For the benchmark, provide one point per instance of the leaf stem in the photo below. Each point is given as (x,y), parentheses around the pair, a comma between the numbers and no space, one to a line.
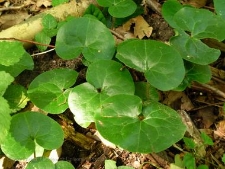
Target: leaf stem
(28,41)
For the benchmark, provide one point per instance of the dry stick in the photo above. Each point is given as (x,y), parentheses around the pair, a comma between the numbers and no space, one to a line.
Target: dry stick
(28,41)
(217,91)
(29,28)
(155,6)
(13,8)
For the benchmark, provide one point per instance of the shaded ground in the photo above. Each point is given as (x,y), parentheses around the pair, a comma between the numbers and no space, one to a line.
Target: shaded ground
(202,103)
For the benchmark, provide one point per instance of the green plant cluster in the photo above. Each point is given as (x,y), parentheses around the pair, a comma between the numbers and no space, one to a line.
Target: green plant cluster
(127,113)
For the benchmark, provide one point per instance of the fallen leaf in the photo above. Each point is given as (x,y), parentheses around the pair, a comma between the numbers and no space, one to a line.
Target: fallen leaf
(207,116)
(141,28)
(45,3)
(220,129)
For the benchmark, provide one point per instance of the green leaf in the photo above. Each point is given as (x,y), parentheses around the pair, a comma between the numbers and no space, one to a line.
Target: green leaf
(84,102)
(110,164)
(219,6)
(63,165)
(26,129)
(189,143)
(119,8)
(110,78)
(152,127)
(42,38)
(223,158)
(16,95)
(49,22)
(45,163)
(193,20)
(189,161)
(6,80)
(11,52)
(25,62)
(169,9)
(105,78)
(202,167)
(58,2)
(162,65)
(5,119)
(40,162)
(206,139)
(146,92)
(87,36)
(95,11)
(193,50)
(199,73)
(48,90)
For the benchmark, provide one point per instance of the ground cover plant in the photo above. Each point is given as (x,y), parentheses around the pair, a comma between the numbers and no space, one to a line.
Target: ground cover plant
(126,112)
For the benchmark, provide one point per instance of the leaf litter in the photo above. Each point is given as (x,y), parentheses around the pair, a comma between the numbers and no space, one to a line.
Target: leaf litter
(202,105)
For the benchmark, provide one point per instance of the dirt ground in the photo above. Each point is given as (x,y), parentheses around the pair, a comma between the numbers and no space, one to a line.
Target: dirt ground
(201,105)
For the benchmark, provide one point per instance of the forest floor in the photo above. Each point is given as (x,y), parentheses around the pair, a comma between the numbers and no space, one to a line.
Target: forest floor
(201,105)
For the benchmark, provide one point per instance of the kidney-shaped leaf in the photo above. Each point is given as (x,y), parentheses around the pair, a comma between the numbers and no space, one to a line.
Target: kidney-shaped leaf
(87,36)
(145,129)
(26,129)
(110,77)
(119,8)
(48,90)
(162,65)
(105,78)
(193,20)
(193,49)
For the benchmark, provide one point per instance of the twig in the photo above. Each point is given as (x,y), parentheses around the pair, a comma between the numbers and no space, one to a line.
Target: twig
(117,34)
(216,91)
(41,53)
(12,8)
(155,6)
(28,41)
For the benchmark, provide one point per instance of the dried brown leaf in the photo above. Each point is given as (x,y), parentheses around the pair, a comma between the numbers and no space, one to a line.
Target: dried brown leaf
(141,28)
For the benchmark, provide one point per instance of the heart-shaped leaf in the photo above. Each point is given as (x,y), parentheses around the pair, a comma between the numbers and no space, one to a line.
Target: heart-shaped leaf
(48,90)
(193,20)
(87,36)
(105,78)
(119,8)
(11,52)
(6,118)
(162,65)
(193,49)
(45,163)
(26,129)
(152,127)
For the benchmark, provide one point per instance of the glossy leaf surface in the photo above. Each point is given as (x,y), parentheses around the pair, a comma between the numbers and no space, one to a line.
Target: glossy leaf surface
(26,129)
(119,8)
(162,65)
(104,78)
(49,91)
(85,36)
(124,121)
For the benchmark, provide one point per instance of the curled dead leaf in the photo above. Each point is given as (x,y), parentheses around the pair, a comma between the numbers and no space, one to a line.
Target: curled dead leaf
(141,28)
